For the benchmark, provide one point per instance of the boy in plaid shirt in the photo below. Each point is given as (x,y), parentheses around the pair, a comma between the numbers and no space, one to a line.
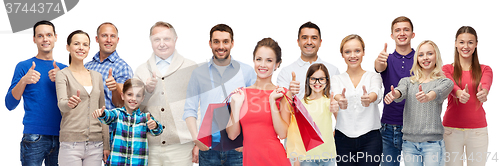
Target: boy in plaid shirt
(130,144)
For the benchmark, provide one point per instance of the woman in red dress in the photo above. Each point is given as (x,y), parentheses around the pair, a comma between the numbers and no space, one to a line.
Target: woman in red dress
(260,111)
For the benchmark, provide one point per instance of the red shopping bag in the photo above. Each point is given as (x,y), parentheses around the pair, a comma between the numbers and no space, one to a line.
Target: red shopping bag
(309,131)
(215,120)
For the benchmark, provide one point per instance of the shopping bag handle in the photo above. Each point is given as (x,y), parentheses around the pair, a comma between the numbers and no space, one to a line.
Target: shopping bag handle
(229,96)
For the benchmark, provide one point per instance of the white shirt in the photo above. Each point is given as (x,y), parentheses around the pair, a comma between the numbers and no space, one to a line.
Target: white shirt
(300,68)
(88,89)
(357,120)
(163,65)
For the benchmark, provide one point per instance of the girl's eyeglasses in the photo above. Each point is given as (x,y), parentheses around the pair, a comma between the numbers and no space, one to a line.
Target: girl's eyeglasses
(321,80)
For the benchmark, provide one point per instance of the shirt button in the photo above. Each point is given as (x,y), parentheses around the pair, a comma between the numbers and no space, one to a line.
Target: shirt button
(162,78)
(163,142)
(402,67)
(162,109)
(162,93)
(163,127)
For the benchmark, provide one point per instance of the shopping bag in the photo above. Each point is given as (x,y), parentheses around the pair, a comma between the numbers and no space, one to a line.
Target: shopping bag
(309,131)
(215,121)
(294,144)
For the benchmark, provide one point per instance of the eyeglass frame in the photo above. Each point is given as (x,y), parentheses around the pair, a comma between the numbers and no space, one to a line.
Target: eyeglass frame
(317,80)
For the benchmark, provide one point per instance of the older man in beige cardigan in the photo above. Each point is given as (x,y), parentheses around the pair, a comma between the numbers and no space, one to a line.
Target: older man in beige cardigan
(166,75)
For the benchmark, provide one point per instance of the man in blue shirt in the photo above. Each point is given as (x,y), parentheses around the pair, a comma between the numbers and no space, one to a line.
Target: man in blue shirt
(34,81)
(212,82)
(114,70)
(392,68)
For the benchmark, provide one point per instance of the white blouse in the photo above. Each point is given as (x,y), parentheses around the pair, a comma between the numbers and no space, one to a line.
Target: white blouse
(357,120)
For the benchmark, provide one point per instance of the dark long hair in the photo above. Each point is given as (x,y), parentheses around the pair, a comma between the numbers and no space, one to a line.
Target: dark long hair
(70,37)
(475,67)
(312,69)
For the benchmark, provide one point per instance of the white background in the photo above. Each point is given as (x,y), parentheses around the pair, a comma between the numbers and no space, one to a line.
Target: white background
(252,21)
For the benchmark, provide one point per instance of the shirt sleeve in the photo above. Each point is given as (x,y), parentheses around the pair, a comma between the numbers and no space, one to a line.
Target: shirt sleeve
(61,91)
(158,130)
(192,98)
(403,86)
(123,73)
(376,87)
(284,78)
(109,117)
(487,77)
(11,102)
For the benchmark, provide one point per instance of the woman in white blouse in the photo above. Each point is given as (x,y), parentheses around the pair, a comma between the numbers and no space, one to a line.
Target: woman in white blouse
(358,92)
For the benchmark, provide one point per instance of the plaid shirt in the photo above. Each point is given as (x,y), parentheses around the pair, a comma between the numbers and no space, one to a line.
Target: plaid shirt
(130,144)
(121,72)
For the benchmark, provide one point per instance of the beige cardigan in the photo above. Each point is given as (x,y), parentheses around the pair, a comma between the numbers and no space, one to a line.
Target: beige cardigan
(166,103)
(78,125)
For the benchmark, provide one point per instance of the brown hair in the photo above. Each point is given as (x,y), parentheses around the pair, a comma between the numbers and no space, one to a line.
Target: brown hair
(70,37)
(269,42)
(162,24)
(312,69)
(475,66)
(401,19)
(222,28)
(133,82)
(351,37)
(106,23)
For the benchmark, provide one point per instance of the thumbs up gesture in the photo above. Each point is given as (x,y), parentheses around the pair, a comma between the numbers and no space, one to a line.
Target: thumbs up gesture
(294,85)
(74,100)
(151,123)
(342,100)
(464,96)
(32,76)
(382,57)
(52,73)
(99,112)
(365,99)
(151,83)
(110,81)
(334,105)
(421,96)
(482,94)
(389,97)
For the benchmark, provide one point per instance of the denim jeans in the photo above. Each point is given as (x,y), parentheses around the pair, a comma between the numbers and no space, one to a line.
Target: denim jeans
(36,148)
(212,158)
(320,162)
(392,139)
(430,153)
(365,150)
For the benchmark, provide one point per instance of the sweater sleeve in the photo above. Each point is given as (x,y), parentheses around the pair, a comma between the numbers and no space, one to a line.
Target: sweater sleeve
(403,86)
(11,102)
(105,128)
(62,93)
(448,72)
(487,77)
(443,88)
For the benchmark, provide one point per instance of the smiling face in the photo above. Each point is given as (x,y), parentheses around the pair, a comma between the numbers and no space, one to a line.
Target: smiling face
(427,57)
(221,44)
(107,38)
(133,98)
(309,42)
(79,47)
(317,81)
(353,53)
(466,44)
(402,33)
(163,41)
(265,62)
(44,38)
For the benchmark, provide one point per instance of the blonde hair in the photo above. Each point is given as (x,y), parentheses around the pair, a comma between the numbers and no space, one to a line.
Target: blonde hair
(163,24)
(416,70)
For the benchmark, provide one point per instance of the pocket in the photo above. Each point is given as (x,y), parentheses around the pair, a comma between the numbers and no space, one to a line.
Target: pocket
(31,138)
(447,131)
(98,144)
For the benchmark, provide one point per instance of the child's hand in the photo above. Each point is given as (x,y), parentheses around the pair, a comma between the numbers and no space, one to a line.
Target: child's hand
(151,123)
(74,100)
(98,112)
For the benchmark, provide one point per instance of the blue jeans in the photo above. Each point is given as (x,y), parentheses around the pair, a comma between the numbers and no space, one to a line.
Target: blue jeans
(320,162)
(430,153)
(212,158)
(392,139)
(365,150)
(36,148)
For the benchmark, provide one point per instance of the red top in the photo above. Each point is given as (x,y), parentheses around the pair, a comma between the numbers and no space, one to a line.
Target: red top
(470,114)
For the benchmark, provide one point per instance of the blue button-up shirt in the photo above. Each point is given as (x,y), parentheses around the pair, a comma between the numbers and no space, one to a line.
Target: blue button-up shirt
(207,86)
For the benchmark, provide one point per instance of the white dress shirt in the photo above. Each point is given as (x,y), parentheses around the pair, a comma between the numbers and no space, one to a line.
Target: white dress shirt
(357,120)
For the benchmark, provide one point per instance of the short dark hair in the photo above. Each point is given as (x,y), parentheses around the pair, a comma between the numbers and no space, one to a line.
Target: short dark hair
(222,28)
(43,22)
(70,36)
(401,19)
(108,23)
(309,24)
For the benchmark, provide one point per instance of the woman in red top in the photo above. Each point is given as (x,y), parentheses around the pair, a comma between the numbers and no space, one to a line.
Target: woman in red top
(261,111)
(465,120)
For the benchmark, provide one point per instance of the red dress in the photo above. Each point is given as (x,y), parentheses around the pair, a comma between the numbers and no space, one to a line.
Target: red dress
(260,141)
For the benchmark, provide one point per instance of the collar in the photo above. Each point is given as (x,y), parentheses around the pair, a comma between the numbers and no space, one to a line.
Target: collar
(168,60)
(136,112)
(301,63)
(112,58)
(212,63)
(408,56)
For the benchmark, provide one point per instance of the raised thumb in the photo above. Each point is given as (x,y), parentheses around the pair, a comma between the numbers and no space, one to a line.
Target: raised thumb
(343,93)
(110,73)
(293,76)
(33,66)
(77,93)
(466,89)
(55,65)
(420,88)
(364,90)
(149,116)
(480,87)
